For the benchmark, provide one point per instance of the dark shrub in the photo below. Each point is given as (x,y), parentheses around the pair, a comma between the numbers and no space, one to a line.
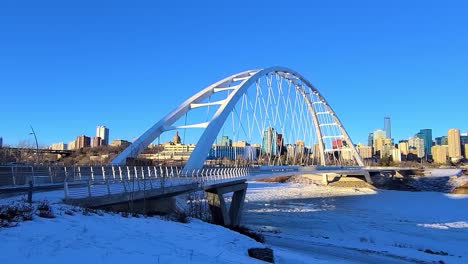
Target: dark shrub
(45,210)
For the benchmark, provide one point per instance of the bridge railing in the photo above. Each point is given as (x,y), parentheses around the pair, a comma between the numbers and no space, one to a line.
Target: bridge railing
(93,181)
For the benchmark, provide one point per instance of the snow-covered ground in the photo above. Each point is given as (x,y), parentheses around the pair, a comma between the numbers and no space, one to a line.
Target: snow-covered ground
(112,238)
(305,224)
(302,223)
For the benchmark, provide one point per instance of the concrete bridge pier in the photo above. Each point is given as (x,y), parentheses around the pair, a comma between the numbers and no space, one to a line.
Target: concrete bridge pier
(219,211)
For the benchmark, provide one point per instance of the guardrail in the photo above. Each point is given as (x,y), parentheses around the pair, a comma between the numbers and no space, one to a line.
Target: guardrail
(92,181)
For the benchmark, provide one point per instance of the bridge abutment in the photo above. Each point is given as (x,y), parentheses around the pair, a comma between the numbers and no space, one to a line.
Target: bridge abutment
(219,211)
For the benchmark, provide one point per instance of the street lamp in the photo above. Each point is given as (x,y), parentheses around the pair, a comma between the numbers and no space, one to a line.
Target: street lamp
(37,145)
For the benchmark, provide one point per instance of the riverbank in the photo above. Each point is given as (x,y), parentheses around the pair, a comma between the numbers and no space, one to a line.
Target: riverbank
(326,224)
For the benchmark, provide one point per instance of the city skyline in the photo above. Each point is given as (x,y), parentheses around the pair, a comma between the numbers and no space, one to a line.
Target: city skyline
(385,58)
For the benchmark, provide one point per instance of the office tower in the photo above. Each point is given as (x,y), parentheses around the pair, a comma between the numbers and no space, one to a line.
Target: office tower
(417,144)
(454,147)
(463,142)
(387,127)
(403,147)
(376,135)
(225,141)
(103,133)
(370,139)
(269,141)
(1,142)
(440,154)
(426,135)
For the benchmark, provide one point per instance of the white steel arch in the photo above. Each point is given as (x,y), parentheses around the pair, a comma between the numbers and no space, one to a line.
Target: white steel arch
(237,85)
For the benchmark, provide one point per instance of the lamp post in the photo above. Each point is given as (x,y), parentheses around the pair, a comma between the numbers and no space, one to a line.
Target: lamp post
(37,145)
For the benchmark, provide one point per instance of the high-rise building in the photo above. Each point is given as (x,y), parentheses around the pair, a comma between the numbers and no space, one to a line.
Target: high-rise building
(82,142)
(376,135)
(454,147)
(441,140)
(396,154)
(403,147)
(269,141)
(224,141)
(1,142)
(103,133)
(426,135)
(370,139)
(96,142)
(417,144)
(466,151)
(440,154)
(463,141)
(387,127)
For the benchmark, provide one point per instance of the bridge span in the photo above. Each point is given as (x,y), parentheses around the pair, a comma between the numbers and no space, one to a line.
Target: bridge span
(108,186)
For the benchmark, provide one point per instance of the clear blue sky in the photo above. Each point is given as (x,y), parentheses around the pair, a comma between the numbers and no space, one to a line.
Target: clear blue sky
(68,66)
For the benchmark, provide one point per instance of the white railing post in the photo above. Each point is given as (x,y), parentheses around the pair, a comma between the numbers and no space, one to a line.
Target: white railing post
(92,173)
(113,172)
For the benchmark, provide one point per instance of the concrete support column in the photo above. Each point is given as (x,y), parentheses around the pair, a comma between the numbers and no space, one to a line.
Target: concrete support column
(220,213)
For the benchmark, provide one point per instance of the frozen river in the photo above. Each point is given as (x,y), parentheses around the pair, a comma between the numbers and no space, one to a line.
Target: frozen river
(324,224)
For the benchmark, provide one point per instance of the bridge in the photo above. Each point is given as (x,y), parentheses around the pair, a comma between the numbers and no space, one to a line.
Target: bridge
(273,118)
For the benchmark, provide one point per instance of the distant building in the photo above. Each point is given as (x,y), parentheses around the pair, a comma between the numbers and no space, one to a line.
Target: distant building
(240,144)
(396,154)
(441,140)
(416,146)
(337,143)
(370,139)
(176,138)
(269,141)
(426,135)
(103,133)
(454,146)
(120,143)
(463,141)
(381,144)
(364,151)
(403,147)
(82,142)
(440,154)
(96,142)
(59,146)
(387,127)
(232,153)
(72,145)
(376,143)
(1,142)
(224,141)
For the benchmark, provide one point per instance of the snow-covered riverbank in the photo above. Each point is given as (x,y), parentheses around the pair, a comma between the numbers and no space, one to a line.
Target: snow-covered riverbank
(346,225)
(302,223)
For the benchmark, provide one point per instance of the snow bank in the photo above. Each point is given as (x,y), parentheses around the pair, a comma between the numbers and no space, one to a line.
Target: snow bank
(111,238)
